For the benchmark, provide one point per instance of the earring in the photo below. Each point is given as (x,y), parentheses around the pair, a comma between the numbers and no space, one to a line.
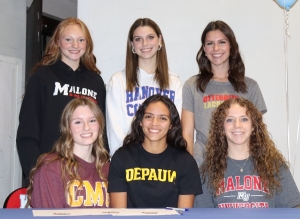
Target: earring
(159,47)
(133,51)
(205,54)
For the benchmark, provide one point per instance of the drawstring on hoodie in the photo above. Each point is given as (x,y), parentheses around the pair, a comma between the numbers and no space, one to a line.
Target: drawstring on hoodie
(77,73)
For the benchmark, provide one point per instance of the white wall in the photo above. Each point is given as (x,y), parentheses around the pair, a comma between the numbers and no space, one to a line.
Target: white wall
(259,28)
(12,58)
(11,90)
(13,29)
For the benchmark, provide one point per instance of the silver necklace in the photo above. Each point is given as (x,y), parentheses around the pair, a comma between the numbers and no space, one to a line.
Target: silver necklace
(241,170)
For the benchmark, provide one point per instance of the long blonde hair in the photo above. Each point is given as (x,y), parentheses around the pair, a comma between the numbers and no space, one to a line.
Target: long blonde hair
(63,148)
(52,52)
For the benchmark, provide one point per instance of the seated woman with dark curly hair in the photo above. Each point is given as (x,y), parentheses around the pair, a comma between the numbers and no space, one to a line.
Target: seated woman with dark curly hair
(153,168)
(242,167)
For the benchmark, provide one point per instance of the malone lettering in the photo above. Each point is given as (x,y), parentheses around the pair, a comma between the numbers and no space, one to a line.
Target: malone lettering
(250,182)
(68,90)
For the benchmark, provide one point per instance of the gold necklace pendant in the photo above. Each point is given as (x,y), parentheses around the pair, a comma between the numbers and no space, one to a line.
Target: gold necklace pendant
(241,170)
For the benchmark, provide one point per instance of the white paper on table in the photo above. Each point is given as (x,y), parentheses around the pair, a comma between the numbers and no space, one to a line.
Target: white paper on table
(104,211)
(69,212)
(146,212)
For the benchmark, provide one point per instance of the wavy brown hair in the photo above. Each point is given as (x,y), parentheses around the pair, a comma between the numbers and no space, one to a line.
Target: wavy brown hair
(236,70)
(52,51)
(63,148)
(267,160)
(162,69)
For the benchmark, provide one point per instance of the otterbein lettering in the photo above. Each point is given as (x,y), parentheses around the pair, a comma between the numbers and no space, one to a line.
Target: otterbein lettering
(214,100)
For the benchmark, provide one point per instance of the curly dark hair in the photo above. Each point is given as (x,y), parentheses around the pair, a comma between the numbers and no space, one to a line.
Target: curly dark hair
(174,135)
(236,65)
(267,160)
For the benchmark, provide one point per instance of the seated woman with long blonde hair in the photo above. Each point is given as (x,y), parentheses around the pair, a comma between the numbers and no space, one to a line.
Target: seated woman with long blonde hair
(74,173)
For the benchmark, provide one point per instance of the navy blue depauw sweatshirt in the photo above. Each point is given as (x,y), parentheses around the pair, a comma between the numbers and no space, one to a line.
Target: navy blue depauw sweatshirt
(48,91)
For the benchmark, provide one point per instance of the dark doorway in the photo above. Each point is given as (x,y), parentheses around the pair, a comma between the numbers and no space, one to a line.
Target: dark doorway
(33,36)
(49,24)
(39,30)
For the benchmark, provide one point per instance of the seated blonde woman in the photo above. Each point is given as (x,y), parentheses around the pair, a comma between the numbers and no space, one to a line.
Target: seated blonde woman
(74,173)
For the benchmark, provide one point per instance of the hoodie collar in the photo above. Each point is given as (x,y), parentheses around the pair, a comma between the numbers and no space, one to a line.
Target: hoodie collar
(63,66)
